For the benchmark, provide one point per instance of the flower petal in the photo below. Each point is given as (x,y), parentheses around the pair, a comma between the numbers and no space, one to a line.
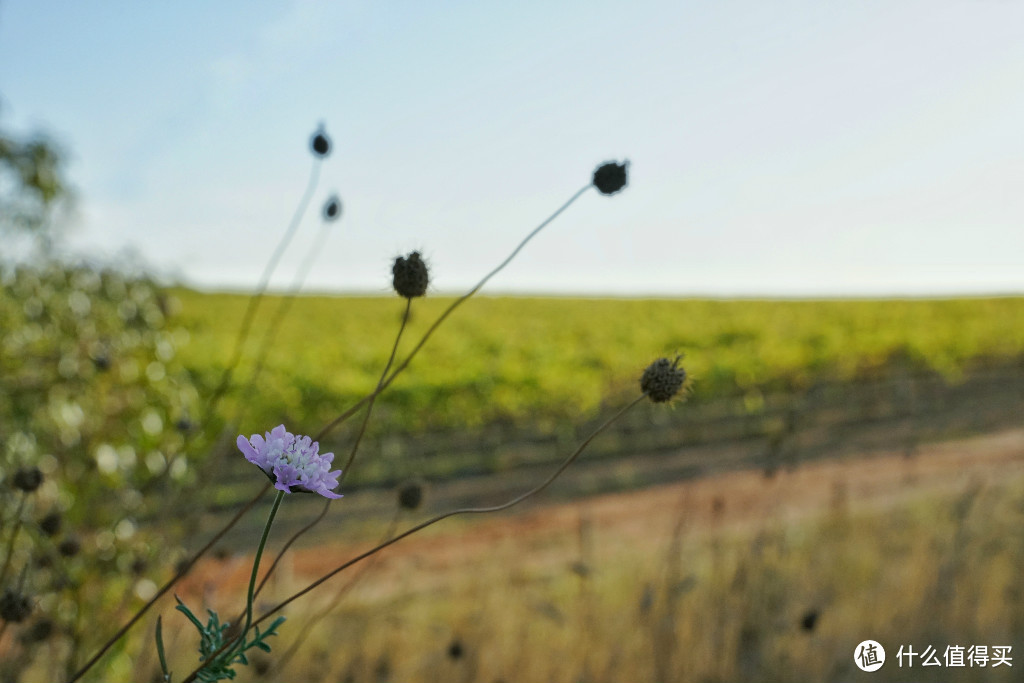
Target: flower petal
(247,450)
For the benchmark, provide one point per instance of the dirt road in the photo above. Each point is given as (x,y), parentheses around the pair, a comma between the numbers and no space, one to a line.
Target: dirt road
(551,532)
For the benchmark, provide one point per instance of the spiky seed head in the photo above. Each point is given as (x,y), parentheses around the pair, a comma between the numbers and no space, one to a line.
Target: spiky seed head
(332,208)
(14,606)
(610,177)
(410,495)
(320,143)
(410,276)
(663,379)
(27,479)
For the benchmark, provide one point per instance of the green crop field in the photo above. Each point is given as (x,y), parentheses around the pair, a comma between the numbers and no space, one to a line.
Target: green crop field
(548,359)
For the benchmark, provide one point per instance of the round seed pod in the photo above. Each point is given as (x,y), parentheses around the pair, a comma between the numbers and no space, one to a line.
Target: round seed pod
(662,379)
(410,495)
(69,547)
(409,276)
(27,479)
(610,177)
(139,566)
(38,632)
(332,208)
(809,620)
(320,143)
(51,524)
(14,607)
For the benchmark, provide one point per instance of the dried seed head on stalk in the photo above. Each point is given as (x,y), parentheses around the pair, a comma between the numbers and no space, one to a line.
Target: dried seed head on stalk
(27,479)
(409,275)
(14,606)
(610,177)
(455,650)
(320,143)
(663,379)
(38,632)
(51,524)
(332,208)
(69,547)
(410,495)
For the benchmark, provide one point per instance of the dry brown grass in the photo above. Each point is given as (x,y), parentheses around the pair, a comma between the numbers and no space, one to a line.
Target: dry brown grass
(707,580)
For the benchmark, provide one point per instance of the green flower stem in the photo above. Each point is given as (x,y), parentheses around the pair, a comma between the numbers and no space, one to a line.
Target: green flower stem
(256,568)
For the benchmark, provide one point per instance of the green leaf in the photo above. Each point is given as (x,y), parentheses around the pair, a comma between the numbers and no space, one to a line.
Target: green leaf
(160,650)
(183,608)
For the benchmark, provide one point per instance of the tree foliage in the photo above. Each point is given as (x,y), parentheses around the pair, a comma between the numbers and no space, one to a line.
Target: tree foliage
(33,187)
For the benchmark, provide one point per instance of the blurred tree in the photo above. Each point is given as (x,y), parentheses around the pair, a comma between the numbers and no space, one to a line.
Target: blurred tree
(33,188)
(93,403)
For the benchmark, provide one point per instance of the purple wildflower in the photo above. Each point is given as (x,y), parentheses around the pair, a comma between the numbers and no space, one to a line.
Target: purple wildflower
(291,462)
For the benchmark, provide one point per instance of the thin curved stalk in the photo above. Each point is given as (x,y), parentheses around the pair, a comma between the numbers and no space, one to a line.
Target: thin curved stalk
(261,288)
(288,544)
(166,587)
(281,661)
(373,399)
(249,315)
(448,311)
(434,520)
(348,464)
(284,306)
(256,568)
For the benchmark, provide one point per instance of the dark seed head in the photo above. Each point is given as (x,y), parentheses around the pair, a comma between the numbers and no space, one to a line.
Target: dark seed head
(139,566)
(69,547)
(183,424)
(38,632)
(809,621)
(101,362)
(14,607)
(455,649)
(410,496)
(27,479)
(50,524)
(410,277)
(332,209)
(663,379)
(610,177)
(260,665)
(320,143)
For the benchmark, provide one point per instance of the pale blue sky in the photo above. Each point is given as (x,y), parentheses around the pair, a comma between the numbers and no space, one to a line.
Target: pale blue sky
(781,147)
